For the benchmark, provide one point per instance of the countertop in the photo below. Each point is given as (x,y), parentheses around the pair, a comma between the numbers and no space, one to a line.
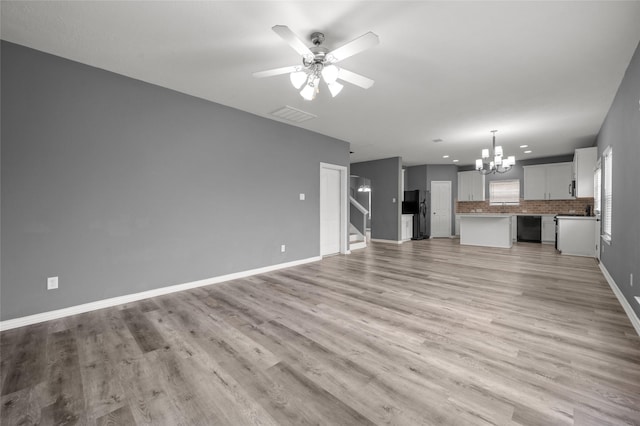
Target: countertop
(485,215)
(576,217)
(480,214)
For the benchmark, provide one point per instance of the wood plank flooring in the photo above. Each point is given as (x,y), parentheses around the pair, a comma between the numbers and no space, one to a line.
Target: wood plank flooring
(425,333)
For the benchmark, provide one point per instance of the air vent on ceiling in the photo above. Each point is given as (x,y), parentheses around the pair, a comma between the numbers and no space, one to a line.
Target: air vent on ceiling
(292,114)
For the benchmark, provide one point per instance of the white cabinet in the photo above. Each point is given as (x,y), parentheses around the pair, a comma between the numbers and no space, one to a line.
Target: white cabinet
(535,183)
(548,181)
(559,181)
(407,227)
(576,235)
(584,162)
(470,186)
(548,233)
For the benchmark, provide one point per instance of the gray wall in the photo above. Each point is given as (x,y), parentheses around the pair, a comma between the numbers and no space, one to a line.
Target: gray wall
(517,172)
(621,131)
(416,178)
(118,186)
(385,185)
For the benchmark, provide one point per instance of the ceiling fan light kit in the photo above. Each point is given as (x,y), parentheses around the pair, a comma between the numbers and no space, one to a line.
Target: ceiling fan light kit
(319,64)
(494,162)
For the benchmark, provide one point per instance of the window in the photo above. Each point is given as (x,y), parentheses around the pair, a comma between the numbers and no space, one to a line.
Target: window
(607,196)
(504,192)
(597,182)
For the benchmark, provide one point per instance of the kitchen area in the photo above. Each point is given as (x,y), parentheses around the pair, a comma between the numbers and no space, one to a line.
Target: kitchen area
(551,203)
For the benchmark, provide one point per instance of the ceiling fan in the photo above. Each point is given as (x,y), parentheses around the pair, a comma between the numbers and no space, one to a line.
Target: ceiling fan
(319,63)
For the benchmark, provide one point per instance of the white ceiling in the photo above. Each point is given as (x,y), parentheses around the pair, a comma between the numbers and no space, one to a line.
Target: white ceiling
(542,73)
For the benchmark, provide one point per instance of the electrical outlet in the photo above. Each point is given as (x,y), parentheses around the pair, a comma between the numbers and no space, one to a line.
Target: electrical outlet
(283,248)
(52,283)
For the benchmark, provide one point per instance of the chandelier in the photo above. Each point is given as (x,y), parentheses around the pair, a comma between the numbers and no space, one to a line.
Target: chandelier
(493,162)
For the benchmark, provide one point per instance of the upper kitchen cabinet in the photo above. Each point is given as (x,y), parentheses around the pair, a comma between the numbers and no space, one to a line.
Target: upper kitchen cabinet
(548,182)
(584,162)
(470,186)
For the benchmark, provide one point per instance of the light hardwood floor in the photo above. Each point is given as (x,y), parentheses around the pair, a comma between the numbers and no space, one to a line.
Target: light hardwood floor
(428,332)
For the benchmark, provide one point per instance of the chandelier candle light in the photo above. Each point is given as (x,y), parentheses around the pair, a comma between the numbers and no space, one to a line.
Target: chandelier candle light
(493,162)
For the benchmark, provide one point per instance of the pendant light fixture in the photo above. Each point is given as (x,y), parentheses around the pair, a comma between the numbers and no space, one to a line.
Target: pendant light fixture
(493,161)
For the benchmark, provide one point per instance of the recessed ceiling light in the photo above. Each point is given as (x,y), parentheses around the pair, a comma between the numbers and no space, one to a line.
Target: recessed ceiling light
(455,161)
(524,146)
(437,140)
(528,151)
(445,156)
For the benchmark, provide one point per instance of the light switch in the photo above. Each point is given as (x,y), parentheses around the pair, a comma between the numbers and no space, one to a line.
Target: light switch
(393,200)
(301,197)
(52,283)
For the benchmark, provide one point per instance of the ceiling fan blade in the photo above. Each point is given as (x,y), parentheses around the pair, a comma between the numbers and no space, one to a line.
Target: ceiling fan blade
(293,40)
(355,46)
(276,71)
(353,78)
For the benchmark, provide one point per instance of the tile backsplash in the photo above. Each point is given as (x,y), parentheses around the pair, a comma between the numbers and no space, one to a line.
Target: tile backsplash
(577,206)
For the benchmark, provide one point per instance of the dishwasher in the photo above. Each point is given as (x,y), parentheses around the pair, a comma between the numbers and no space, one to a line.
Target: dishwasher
(530,229)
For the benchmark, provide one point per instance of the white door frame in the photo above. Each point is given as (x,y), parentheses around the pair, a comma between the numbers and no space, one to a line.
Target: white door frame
(344,248)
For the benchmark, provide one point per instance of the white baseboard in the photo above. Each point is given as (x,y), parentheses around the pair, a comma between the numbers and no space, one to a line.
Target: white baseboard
(357,245)
(114,301)
(635,321)
(375,240)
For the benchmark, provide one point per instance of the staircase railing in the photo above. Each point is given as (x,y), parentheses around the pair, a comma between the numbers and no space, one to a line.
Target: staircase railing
(358,216)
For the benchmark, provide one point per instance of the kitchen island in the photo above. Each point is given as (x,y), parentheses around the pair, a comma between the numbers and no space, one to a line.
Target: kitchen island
(489,230)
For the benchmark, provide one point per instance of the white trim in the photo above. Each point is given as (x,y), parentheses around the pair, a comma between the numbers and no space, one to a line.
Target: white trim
(114,301)
(357,245)
(344,190)
(635,321)
(386,241)
(357,205)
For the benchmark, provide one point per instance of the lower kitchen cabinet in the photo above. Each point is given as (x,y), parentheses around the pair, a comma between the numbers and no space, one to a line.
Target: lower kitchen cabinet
(576,235)
(548,234)
(407,227)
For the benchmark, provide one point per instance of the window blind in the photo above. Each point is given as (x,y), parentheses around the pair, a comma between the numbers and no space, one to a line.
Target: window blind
(597,182)
(504,192)
(608,193)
